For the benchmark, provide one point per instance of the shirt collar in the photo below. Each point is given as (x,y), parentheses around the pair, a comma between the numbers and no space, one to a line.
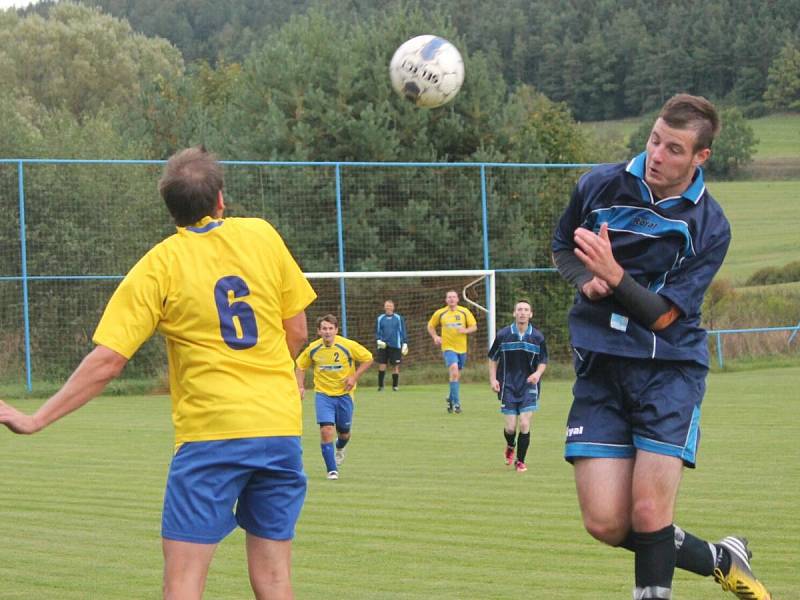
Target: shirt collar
(205,224)
(515,330)
(693,193)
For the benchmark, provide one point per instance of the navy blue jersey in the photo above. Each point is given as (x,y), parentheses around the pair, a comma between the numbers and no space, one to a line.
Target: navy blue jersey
(673,246)
(517,356)
(391,329)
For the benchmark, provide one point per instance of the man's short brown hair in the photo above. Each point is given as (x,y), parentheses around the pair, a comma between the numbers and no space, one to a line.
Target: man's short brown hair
(328,319)
(191,184)
(684,111)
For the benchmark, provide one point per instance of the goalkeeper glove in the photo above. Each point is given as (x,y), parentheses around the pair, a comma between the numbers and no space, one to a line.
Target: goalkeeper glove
(404,349)
(381,344)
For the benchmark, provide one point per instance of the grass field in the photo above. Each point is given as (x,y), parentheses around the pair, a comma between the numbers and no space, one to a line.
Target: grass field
(425,507)
(763,216)
(778,135)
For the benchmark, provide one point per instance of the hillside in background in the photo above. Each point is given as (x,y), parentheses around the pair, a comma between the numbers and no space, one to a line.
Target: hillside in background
(603,58)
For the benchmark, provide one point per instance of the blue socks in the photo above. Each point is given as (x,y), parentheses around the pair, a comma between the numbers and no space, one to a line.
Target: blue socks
(340,443)
(454,393)
(328,457)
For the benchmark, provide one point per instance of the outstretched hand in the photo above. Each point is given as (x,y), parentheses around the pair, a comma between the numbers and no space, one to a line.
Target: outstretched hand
(17,421)
(594,251)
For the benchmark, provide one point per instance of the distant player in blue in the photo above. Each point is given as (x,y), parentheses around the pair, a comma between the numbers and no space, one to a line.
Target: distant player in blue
(641,242)
(390,338)
(517,360)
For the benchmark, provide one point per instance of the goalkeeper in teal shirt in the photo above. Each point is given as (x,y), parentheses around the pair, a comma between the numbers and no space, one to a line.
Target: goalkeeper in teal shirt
(390,338)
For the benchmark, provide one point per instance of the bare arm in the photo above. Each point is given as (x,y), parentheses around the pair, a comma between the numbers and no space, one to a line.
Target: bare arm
(99,367)
(436,339)
(351,381)
(493,383)
(296,328)
(300,375)
(471,329)
(537,374)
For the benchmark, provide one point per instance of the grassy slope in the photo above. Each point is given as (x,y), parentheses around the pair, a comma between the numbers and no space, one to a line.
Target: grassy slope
(425,508)
(763,216)
(778,135)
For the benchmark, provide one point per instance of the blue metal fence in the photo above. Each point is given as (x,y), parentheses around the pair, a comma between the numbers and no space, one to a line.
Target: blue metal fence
(484,257)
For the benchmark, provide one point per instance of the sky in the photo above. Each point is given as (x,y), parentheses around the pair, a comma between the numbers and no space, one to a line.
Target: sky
(18,3)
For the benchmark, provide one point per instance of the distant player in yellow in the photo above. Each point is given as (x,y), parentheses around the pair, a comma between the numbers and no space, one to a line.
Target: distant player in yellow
(455,323)
(230,301)
(338,364)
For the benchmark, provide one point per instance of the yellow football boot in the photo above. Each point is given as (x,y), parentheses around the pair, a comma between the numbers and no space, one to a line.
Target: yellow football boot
(740,579)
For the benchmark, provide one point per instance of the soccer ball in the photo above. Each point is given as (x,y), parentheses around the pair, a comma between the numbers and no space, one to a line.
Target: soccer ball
(427,70)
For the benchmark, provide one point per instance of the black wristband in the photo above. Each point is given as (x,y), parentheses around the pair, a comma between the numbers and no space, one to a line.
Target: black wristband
(571,268)
(645,306)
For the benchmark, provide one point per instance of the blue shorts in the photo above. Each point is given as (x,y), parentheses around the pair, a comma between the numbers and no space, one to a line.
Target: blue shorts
(511,404)
(262,477)
(455,358)
(336,410)
(624,404)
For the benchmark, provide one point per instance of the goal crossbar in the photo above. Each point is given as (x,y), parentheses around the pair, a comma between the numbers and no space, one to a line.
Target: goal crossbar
(478,274)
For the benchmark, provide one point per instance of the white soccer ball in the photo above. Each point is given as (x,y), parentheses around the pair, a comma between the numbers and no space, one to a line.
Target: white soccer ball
(427,70)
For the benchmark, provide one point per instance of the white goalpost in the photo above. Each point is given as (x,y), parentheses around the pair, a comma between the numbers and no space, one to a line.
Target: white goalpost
(359,295)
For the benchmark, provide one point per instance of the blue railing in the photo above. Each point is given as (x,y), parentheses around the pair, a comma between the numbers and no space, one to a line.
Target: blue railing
(720,332)
(24,277)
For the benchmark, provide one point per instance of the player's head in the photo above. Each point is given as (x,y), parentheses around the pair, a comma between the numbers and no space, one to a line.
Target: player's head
(679,142)
(327,328)
(522,312)
(191,186)
(451,298)
(388,307)
(684,111)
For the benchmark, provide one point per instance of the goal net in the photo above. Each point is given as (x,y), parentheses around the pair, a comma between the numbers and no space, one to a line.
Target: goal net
(357,300)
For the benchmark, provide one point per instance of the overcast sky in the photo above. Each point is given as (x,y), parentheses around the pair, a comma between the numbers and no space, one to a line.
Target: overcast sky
(18,3)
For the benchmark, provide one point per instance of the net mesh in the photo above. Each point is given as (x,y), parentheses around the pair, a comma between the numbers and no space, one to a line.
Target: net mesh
(86,224)
(415,298)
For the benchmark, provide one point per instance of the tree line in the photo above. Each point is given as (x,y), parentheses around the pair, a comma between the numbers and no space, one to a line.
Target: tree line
(605,59)
(308,82)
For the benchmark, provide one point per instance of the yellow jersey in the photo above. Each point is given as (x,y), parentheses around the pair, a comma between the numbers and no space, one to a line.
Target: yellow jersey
(218,291)
(333,364)
(450,321)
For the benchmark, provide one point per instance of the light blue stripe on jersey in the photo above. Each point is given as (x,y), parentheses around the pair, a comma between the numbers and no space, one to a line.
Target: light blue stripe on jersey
(526,346)
(641,221)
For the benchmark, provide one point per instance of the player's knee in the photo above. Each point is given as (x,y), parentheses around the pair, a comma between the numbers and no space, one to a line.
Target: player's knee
(327,432)
(650,515)
(608,531)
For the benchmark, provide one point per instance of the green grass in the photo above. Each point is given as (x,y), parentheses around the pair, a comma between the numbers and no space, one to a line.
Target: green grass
(778,136)
(425,508)
(763,216)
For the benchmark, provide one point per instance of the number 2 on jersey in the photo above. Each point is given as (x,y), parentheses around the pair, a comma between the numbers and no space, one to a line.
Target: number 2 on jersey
(226,291)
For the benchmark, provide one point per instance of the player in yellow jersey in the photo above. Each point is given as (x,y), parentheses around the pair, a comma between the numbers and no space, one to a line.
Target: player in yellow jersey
(230,301)
(338,364)
(455,322)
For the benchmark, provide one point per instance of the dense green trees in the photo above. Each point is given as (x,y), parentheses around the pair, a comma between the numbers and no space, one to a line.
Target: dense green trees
(783,82)
(604,58)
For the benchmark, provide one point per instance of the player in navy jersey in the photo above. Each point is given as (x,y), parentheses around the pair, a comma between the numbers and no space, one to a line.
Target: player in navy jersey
(390,338)
(641,242)
(518,358)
